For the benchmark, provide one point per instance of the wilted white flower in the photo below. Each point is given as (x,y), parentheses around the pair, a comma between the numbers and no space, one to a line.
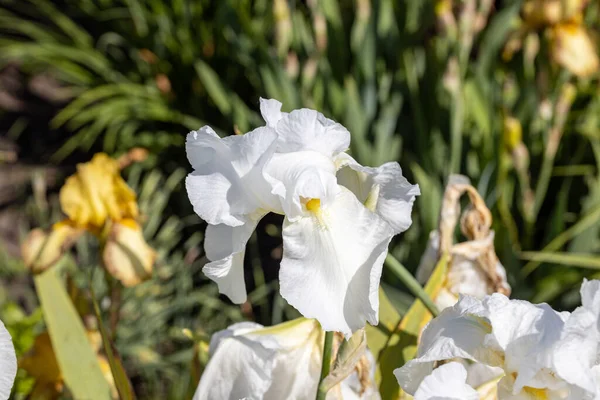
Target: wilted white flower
(473,267)
(8,362)
(279,362)
(540,353)
(339,216)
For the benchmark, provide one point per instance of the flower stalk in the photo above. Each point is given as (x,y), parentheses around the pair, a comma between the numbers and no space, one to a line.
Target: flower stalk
(326,366)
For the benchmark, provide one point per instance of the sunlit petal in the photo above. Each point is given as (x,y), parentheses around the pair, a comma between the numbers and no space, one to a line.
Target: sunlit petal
(383,189)
(274,363)
(332,261)
(301,175)
(227,182)
(306,129)
(447,382)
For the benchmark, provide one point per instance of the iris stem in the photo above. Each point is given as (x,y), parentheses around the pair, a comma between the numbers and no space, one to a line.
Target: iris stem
(327,347)
(411,283)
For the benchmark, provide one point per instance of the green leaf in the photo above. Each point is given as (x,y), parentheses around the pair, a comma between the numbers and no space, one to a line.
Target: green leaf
(401,346)
(74,353)
(116,367)
(214,87)
(574,260)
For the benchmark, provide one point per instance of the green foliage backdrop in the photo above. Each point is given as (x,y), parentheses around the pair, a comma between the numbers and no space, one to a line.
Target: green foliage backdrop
(410,87)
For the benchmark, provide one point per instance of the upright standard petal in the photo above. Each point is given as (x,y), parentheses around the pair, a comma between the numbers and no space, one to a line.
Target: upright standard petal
(227,183)
(332,261)
(383,190)
(8,362)
(447,382)
(270,110)
(300,176)
(306,129)
(225,247)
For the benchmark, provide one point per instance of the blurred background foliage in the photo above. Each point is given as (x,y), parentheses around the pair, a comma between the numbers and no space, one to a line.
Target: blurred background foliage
(495,90)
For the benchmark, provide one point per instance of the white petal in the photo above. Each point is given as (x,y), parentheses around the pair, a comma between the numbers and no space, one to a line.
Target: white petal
(460,331)
(8,362)
(332,264)
(228,274)
(227,181)
(384,188)
(270,110)
(306,129)
(576,352)
(301,175)
(237,369)
(526,332)
(590,296)
(226,247)
(272,363)
(447,382)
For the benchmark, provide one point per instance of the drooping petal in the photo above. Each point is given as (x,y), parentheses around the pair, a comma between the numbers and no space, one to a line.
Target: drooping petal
(40,250)
(273,363)
(447,382)
(127,256)
(299,176)
(306,129)
(332,263)
(383,189)
(225,246)
(8,362)
(227,182)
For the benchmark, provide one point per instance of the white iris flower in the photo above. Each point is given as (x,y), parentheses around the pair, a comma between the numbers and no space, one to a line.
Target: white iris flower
(339,215)
(8,362)
(278,362)
(540,353)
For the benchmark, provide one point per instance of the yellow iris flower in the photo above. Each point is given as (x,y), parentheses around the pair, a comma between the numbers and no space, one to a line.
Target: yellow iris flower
(570,44)
(96,199)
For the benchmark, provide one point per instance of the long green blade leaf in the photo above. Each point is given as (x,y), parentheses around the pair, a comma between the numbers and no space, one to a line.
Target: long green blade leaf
(74,353)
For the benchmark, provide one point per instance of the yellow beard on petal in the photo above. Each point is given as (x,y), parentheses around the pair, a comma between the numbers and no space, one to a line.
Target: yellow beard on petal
(535,393)
(314,205)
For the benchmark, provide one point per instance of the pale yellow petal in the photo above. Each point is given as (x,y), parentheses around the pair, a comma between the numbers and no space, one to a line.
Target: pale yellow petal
(40,362)
(548,12)
(573,49)
(127,256)
(41,249)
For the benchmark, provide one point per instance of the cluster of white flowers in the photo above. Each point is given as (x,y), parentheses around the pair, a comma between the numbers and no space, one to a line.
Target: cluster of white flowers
(534,351)
(339,215)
